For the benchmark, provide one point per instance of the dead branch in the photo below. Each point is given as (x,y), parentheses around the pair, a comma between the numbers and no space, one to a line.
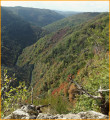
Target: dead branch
(41,106)
(32,95)
(83,90)
(103,90)
(104,104)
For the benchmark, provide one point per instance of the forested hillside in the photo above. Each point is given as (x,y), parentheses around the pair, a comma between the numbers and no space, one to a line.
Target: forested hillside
(81,52)
(38,17)
(16,35)
(70,21)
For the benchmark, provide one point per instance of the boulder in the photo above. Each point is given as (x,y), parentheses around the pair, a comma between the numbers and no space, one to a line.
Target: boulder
(92,115)
(25,112)
(81,115)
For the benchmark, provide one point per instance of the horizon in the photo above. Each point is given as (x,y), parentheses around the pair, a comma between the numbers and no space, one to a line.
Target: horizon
(51,9)
(71,6)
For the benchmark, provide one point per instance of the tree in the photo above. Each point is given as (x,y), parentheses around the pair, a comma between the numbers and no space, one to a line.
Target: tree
(11,97)
(104,104)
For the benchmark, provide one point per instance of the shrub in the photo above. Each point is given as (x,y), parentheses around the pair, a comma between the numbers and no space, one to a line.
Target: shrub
(11,97)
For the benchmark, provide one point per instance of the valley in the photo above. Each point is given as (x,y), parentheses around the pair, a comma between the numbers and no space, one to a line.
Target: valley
(44,49)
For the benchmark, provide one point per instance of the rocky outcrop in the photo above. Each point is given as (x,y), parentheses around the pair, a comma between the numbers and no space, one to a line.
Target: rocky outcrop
(32,112)
(81,115)
(26,112)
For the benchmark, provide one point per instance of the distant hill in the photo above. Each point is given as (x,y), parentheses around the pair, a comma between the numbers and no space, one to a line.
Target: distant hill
(38,17)
(67,13)
(71,21)
(15,35)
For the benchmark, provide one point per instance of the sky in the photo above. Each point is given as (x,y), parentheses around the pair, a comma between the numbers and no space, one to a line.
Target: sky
(80,6)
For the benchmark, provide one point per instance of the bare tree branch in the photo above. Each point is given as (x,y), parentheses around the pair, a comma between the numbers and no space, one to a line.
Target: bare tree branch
(84,91)
(103,90)
(32,95)
(41,106)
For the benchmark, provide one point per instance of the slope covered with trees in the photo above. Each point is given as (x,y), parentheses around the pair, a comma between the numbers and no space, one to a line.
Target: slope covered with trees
(70,21)
(81,52)
(16,34)
(38,17)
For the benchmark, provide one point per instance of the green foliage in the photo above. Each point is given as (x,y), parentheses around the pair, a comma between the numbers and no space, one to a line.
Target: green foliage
(86,104)
(11,97)
(59,104)
(91,78)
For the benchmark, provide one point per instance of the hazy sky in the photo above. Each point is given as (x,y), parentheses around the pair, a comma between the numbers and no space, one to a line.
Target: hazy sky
(84,6)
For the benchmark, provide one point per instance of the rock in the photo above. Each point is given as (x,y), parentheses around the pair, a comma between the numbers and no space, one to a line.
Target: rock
(26,112)
(81,115)
(31,109)
(92,115)
(45,116)
(72,116)
(32,112)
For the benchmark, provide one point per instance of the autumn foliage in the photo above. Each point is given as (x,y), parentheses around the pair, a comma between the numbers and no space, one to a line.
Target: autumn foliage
(78,72)
(72,89)
(66,89)
(72,92)
(70,76)
(63,87)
